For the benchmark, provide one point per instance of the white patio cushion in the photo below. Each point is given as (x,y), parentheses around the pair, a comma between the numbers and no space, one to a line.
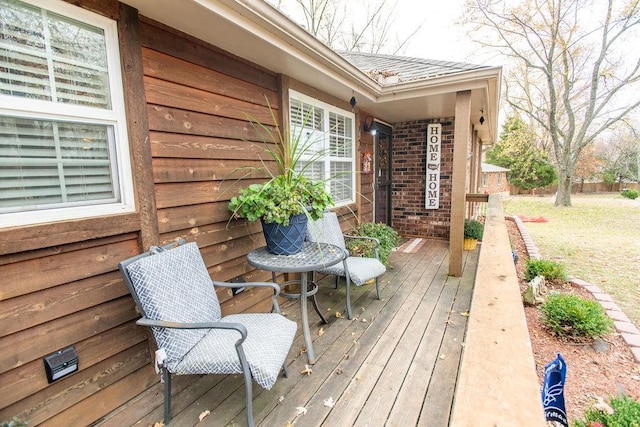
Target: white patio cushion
(269,337)
(361,270)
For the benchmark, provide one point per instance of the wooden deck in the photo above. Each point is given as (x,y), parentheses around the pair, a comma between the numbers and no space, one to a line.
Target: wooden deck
(396,365)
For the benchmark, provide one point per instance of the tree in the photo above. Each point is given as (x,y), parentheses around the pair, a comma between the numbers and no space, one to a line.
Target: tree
(572,60)
(517,150)
(620,154)
(349,25)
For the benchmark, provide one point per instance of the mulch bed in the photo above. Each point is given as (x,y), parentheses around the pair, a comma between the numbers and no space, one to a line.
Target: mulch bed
(590,375)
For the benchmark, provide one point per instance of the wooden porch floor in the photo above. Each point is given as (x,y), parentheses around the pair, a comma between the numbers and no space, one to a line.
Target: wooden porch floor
(396,365)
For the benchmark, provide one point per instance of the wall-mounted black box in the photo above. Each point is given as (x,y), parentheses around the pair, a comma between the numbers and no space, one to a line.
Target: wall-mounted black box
(61,363)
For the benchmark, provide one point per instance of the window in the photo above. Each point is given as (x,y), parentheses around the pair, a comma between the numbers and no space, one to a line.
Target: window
(331,153)
(63,141)
(499,178)
(484,179)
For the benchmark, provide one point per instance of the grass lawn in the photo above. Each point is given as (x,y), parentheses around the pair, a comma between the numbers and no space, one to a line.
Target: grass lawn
(597,239)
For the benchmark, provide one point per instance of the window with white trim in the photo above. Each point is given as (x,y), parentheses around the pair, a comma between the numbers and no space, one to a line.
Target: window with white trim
(331,156)
(63,141)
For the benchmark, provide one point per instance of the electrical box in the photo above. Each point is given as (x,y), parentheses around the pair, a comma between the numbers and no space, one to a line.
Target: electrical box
(237,289)
(61,363)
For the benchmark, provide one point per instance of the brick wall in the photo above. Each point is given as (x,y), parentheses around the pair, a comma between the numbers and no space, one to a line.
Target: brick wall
(496,182)
(410,218)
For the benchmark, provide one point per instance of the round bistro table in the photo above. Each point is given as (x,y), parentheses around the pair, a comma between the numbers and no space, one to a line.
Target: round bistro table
(314,256)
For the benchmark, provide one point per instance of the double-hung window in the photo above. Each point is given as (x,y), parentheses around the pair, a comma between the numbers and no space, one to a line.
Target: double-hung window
(331,155)
(63,142)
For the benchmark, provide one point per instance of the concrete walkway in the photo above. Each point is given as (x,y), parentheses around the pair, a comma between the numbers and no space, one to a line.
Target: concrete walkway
(627,330)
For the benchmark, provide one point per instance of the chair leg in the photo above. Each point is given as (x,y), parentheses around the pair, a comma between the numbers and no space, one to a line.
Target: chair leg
(337,281)
(248,387)
(349,314)
(166,378)
(378,287)
(285,371)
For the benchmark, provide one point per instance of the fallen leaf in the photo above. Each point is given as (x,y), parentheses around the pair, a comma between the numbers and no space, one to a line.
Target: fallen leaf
(329,309)
(303,350)
(363,320)
(346,357)
(338,314)
(320,332)
(358,377)
(603,406)
(203,415)
(329,403)
(442,356)
(289,424)
(307,370)
(465,314)
(281,399)
(339,371)
(301,410)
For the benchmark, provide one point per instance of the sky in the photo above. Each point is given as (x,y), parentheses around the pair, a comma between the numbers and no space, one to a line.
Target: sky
(440,37)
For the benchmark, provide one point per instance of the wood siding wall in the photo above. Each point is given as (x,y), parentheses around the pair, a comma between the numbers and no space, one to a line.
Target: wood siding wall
(187,104)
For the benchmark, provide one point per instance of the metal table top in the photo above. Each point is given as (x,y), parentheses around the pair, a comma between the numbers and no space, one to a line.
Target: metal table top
(313,256)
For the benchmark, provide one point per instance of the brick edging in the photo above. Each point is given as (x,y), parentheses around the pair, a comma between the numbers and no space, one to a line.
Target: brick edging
(627,330)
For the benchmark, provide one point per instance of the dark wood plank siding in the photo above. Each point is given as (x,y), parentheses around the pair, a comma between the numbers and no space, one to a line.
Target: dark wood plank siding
(187,106)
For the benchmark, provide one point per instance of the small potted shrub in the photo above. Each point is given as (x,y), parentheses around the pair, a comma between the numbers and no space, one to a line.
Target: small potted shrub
(286,201)
(473,231)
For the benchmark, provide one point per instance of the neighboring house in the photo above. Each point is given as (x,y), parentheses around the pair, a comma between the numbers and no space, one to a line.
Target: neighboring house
(121,123)
(494,180)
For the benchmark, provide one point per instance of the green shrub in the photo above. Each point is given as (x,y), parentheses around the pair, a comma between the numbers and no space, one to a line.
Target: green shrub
(15,422)
(387,236)
(574,316)
(473,229)
(630,194)
(626,413)
(550,270)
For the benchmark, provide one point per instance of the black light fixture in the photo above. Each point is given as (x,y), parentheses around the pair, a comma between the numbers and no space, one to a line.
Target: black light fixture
(481,116)
(370,125)
(352,102)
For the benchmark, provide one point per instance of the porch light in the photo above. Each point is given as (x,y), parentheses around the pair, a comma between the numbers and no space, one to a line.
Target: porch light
(370,125)
(481,116)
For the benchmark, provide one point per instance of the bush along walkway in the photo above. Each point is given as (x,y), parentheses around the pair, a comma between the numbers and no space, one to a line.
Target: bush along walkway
(627,330)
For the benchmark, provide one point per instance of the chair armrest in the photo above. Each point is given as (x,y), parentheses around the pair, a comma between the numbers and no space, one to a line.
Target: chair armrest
(201,325)
(274,286)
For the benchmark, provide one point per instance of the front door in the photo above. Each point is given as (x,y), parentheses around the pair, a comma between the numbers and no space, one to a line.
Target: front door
(382,183)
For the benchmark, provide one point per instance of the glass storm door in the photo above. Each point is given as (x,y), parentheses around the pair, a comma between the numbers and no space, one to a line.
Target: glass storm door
(382,183)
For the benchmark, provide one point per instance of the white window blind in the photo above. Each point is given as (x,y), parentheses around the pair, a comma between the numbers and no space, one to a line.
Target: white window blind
(332,130)
(62,127)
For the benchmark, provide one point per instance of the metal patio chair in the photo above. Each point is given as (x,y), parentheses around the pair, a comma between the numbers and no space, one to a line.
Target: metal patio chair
(357,270)
(176,297)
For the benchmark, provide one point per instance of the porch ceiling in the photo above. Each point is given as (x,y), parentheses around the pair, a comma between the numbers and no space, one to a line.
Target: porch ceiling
(255,31)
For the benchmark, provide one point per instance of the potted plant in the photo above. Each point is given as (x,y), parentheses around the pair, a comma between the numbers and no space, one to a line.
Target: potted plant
(288,199)
(473,231)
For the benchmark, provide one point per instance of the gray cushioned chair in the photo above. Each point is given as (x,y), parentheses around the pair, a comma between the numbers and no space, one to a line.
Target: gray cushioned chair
(176,297)
(357,270)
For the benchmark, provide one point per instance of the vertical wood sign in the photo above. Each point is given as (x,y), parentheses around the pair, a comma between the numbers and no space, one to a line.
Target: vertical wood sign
(432,196)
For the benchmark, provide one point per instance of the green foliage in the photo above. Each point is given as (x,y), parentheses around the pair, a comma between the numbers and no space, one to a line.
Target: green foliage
(387,236)
(15,422)
(528,165)
(574,316)
(630,194)
(473,229)
(550,270)
(626,413)
(288,192)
